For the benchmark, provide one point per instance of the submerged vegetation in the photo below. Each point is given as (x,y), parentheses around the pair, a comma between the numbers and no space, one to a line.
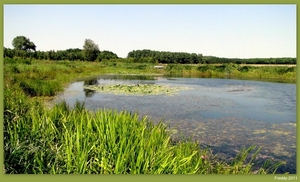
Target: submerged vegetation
(74,140)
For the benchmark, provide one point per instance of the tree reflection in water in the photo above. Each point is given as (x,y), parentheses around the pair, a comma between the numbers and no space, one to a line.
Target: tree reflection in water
(88,92)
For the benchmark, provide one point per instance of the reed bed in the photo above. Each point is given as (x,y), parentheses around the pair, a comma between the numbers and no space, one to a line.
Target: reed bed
(283,73)
(77,141)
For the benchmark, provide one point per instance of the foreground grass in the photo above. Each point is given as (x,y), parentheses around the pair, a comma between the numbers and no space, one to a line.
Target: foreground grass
(64,140)
(76,141)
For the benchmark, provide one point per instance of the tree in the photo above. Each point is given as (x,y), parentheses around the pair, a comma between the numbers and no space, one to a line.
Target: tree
(106,55)
(90,50)
(7,52)
(22,43)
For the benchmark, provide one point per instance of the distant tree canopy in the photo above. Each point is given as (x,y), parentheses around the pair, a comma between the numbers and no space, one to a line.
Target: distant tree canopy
(106,55)
(90,50)
(164,57)
(193,58)
(23,43)
(74,54)
(69,54)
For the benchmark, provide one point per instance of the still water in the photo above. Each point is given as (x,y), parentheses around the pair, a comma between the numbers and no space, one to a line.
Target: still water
(223,114)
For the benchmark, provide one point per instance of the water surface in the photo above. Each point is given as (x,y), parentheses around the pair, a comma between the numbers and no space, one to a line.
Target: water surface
(224,114)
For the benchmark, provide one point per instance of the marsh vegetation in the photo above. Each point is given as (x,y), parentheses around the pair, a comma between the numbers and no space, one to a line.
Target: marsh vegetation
(64,139)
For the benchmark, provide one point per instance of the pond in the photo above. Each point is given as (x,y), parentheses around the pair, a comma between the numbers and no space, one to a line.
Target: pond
(223,114)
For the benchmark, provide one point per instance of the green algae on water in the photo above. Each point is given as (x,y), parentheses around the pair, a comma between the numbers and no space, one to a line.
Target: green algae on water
(136,89)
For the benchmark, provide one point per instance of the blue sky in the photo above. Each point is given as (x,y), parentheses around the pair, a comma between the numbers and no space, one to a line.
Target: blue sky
(232,31)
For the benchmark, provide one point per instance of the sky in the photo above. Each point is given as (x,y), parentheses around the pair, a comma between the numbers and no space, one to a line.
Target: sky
(231,31)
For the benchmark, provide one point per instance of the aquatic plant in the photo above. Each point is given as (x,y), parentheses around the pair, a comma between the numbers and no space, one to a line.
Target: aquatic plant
(137,89)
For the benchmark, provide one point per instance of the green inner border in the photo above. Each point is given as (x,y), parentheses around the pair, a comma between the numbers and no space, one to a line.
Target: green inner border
(117,178)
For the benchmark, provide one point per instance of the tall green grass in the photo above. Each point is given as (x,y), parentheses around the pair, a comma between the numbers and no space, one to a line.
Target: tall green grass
(77,141)
(46,78)
(65,140)
(282,73)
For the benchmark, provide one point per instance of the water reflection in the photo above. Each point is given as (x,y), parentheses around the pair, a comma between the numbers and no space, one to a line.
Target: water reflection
(88,92)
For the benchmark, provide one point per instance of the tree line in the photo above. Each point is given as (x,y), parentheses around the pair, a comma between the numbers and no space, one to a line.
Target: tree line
(24,48)
(165,57)
(193,58)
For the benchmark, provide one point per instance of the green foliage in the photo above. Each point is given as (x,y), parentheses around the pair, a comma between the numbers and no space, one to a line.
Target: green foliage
(90,50)
(75,141)
(107,55)
(23,43)
(282,73)
(150,56)
(69,54)
(40,87)
(8,53)
(245,68)
(15,61)
(204,68)
(65,140)
(217,60)
(193,58)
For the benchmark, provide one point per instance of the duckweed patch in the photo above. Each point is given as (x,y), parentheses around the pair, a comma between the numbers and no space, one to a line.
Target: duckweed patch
(137,89)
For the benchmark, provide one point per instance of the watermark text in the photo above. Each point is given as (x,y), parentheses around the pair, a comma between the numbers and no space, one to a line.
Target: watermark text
(285,178)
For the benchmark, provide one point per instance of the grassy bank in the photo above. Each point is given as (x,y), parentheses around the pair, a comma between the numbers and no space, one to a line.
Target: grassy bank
(280,73)
(64,140)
